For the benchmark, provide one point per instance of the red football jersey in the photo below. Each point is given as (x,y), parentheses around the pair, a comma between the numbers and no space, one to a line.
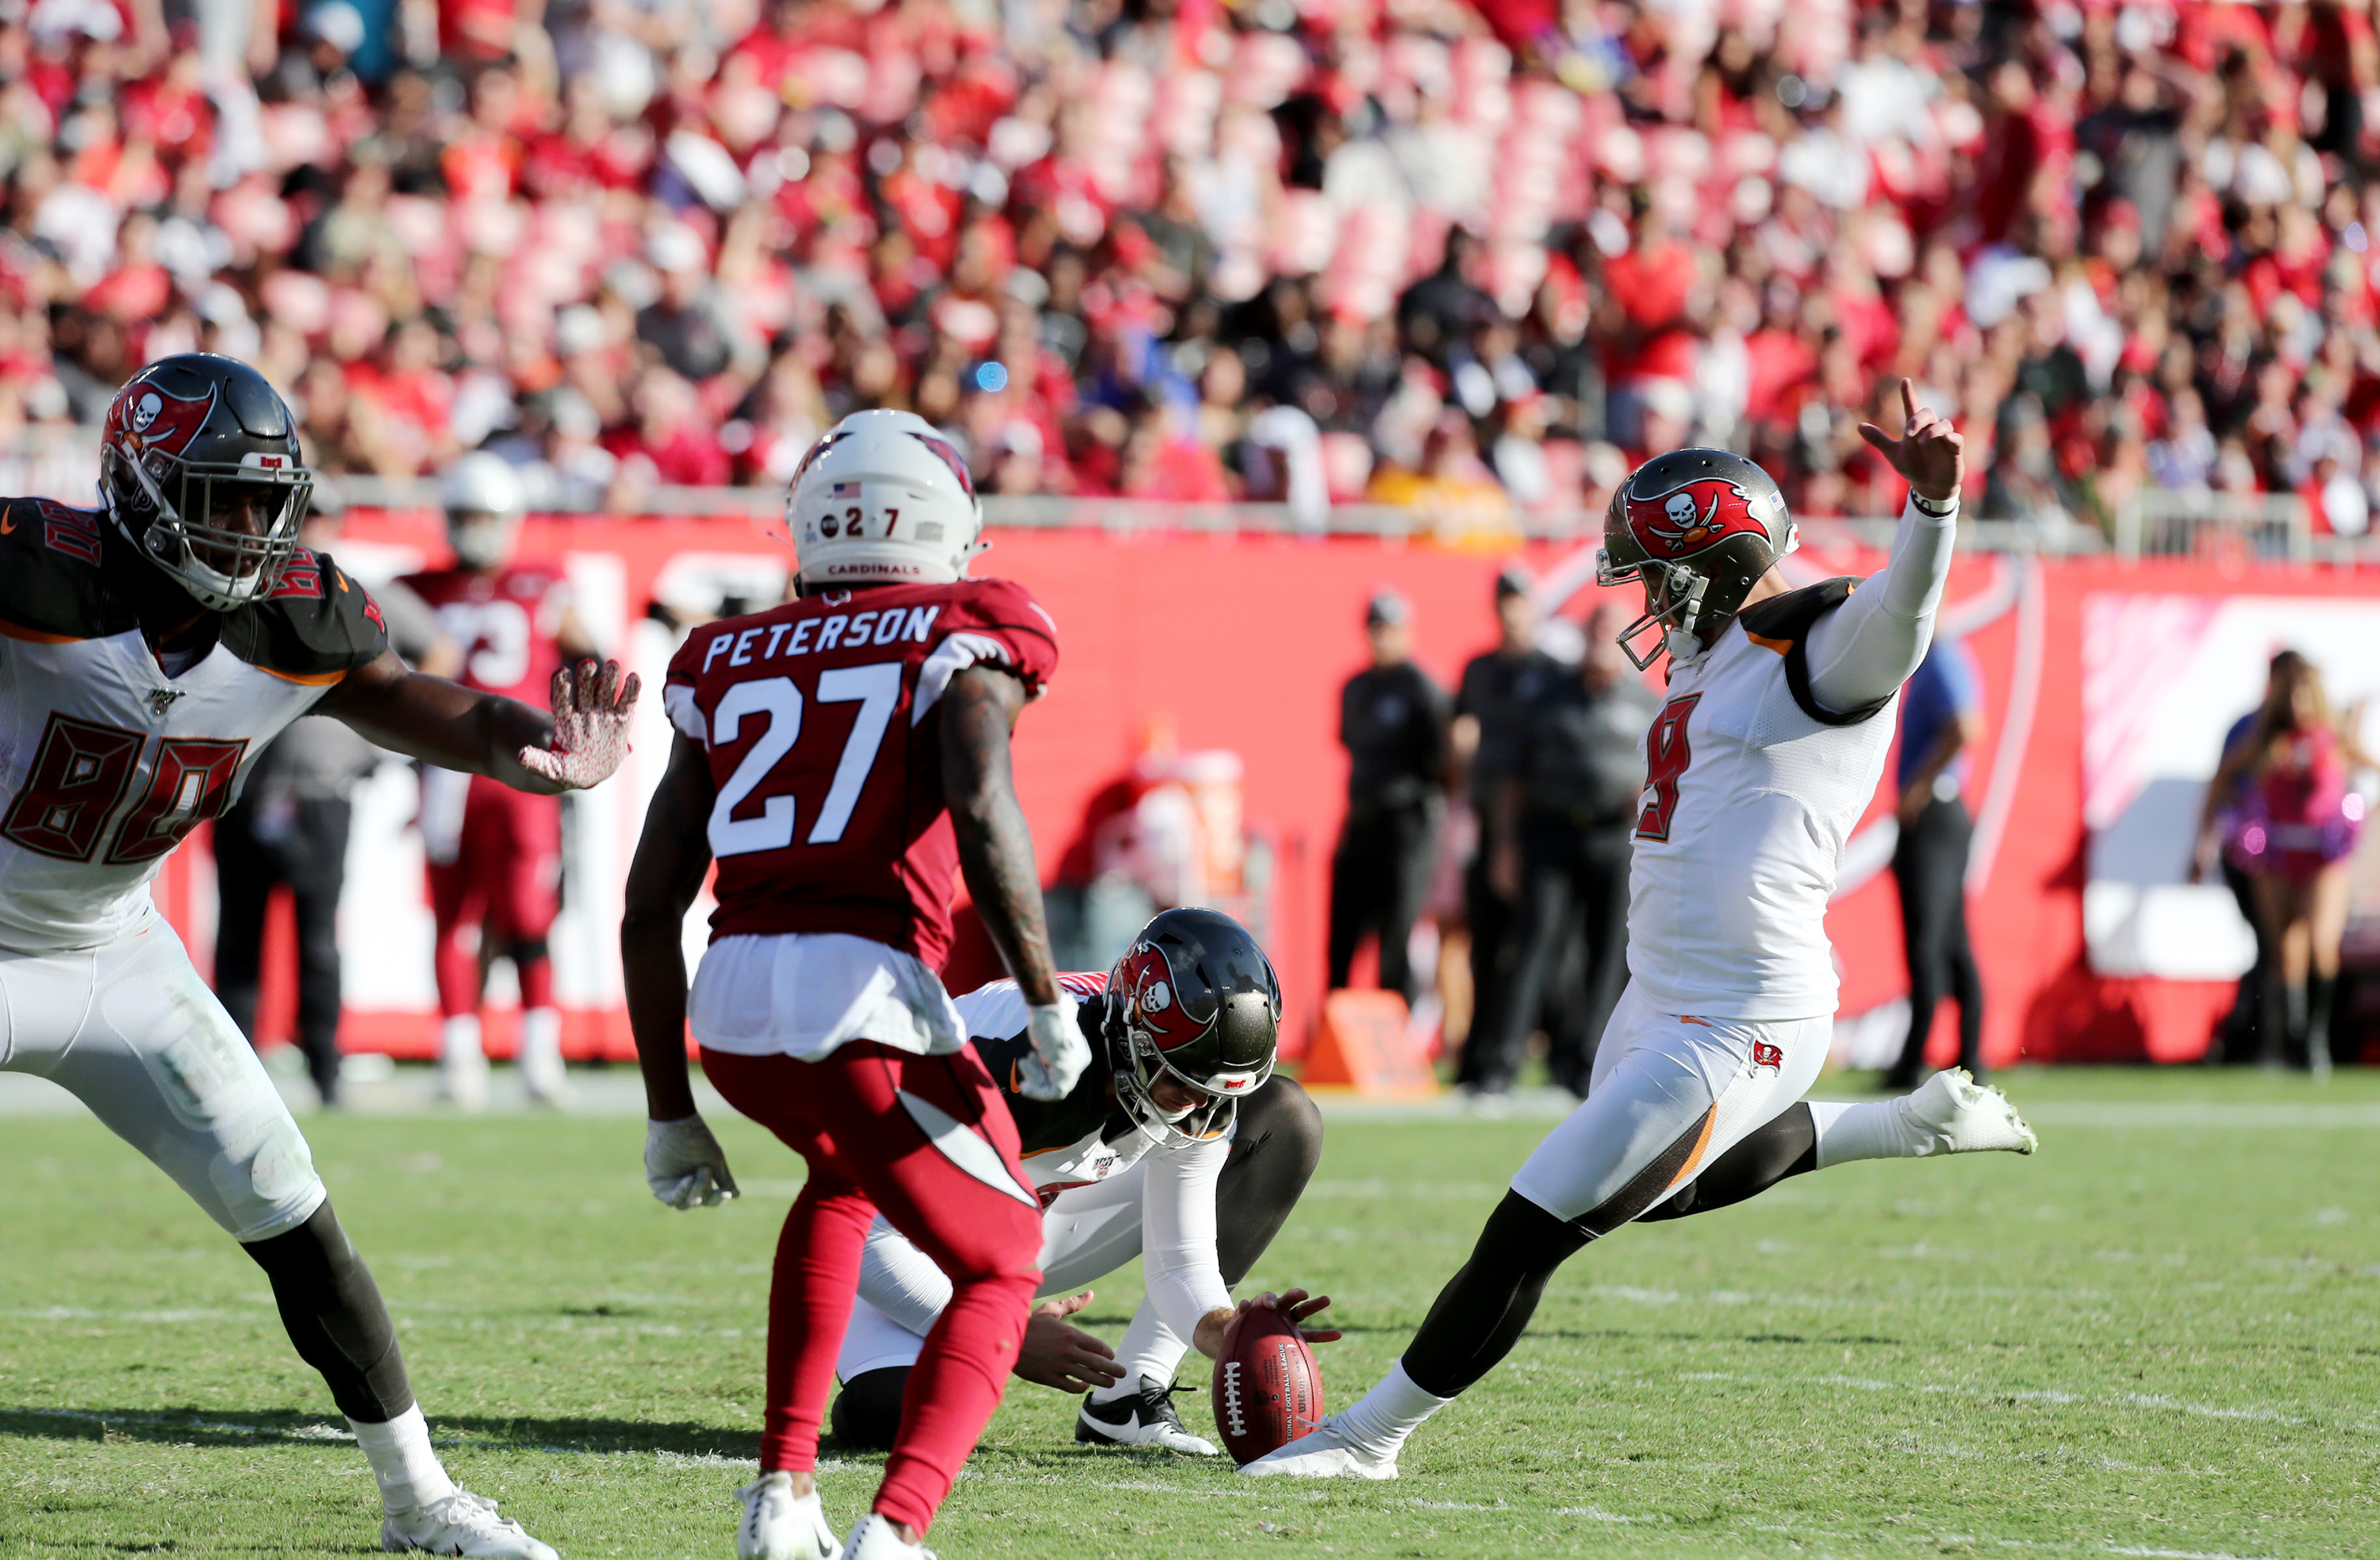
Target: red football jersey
(830,815)
(505,624)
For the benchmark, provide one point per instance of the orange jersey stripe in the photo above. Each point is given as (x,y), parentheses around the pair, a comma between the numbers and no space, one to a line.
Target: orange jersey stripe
(310,679)
(1766,642)
(34,636)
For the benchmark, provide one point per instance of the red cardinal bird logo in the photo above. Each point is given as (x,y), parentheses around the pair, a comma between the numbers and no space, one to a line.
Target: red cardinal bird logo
(1688,519)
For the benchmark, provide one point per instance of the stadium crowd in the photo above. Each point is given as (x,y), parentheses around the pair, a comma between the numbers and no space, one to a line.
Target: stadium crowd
(1473,258)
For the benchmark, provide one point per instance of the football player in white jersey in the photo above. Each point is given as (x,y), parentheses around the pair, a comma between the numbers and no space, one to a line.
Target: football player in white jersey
(1766,751)
(150,650)
(1179,1144)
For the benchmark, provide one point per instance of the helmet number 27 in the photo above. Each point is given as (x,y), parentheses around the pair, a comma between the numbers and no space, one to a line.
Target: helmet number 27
(876,688)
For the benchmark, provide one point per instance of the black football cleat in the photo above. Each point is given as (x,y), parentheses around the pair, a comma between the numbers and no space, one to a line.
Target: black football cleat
(1140,1419)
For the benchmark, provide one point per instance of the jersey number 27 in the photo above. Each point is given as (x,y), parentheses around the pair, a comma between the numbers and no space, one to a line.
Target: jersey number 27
(1666,758)
(876,688)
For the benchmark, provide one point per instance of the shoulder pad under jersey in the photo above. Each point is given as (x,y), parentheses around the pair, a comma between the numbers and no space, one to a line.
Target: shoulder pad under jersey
(317,624)
(50,587)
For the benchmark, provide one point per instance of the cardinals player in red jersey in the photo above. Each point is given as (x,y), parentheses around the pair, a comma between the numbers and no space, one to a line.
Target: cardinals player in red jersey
(495,853)
(841,757)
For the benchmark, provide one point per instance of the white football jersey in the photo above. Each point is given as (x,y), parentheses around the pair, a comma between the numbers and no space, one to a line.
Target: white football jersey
(106,763)
(1751,789)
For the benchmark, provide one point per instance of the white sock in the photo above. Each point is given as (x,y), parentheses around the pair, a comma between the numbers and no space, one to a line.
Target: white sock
(541,1036)
(458,1039)
(408,1472)
(1870,1130)
(1151,1350)
(1388,1414)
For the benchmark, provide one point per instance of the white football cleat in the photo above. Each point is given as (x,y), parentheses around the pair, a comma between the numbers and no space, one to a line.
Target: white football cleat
(545,1078)
(463,1081)
(876,1539)
(462,1524)
(1321,1453)
(781,1525)
(1145,1418)
(1950,1113)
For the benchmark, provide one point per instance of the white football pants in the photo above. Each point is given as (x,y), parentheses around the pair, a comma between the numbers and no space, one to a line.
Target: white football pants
(1086,1233)
(130,1030)
(1670,1095)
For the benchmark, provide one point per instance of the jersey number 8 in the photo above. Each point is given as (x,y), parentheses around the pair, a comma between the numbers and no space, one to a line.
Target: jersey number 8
(876,688)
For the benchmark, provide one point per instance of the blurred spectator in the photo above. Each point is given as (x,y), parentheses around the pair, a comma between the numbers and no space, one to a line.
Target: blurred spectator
(1570,803)
(1941,721)
(2295,831)
(1392,721)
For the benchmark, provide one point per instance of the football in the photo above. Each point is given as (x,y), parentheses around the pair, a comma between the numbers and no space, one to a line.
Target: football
(1267,1389)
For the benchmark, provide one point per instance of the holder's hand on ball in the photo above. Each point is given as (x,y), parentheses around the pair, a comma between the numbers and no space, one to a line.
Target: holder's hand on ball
(1214,1330)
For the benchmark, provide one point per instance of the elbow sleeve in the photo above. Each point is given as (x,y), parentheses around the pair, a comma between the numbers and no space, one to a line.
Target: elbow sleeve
(1867,647)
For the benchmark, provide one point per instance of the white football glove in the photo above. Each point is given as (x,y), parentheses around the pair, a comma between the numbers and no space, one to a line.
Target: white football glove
(684,1165)
(1059,1052)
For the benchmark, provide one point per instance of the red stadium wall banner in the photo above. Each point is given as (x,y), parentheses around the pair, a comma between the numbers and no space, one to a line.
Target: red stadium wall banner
(1240,643)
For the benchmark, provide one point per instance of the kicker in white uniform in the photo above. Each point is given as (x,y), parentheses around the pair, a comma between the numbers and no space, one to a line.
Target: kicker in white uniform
(1769,744)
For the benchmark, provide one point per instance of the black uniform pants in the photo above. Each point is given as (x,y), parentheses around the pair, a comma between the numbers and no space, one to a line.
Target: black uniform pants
(1378,877)
(310,854)
(1930,865)
(1570,925)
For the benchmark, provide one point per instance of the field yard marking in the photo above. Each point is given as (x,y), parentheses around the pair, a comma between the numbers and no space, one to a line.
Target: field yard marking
(2200,1114)
(2257,1414)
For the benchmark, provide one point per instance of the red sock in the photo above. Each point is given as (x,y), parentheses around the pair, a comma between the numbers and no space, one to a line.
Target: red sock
(809,1305)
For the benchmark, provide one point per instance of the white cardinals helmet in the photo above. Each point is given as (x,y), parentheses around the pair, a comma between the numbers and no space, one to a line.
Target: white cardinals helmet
(484,501)
(884,497)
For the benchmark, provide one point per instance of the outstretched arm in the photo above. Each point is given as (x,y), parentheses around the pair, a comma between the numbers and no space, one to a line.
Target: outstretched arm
(1866,648)
(578,744)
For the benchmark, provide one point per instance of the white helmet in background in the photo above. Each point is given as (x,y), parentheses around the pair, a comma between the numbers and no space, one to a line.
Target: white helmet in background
(484,501)
(883,498)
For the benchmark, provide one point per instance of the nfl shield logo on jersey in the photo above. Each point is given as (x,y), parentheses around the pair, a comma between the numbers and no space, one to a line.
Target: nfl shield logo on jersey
(162,700)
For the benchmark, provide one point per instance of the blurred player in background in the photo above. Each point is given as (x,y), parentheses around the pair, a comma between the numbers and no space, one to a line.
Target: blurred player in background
(149,651)
(1766,751)
(495,854)
(1179,1144)
(841,757)
(289,827)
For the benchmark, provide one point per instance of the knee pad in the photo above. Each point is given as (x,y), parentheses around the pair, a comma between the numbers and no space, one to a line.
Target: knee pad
(867,1412)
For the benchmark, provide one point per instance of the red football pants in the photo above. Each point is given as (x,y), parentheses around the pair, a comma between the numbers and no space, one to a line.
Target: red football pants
(502,880)
(926,1142)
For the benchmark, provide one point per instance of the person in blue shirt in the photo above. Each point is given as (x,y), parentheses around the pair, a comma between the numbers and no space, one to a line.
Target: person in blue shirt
(1941,717)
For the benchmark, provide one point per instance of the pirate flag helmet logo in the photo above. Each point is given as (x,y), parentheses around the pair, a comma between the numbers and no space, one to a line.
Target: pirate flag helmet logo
(1695,527)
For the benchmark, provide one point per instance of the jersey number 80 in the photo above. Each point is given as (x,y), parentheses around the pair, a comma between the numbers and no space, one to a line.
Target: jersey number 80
(81,771)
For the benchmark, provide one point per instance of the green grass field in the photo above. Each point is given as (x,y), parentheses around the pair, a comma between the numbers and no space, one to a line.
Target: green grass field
(2159,1337)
